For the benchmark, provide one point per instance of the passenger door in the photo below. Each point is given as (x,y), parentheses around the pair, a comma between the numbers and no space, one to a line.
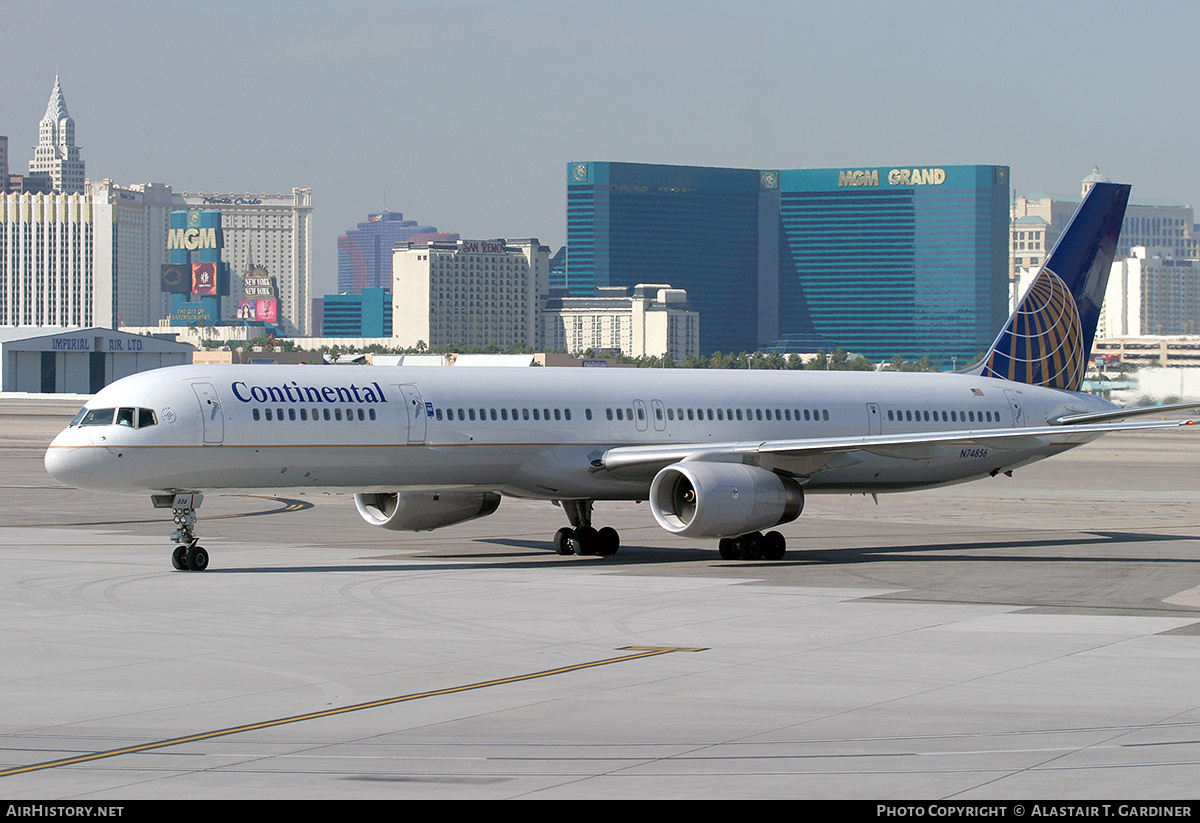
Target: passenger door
(874,419)
(416,413)
(1014,403)
(211,414)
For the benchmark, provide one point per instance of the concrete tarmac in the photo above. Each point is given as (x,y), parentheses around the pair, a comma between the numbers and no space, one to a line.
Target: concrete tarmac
(1027,637)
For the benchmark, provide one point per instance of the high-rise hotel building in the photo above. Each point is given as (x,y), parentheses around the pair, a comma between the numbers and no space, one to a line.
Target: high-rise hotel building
(469,293)
(1160,227)
(272,232)
(90,253)
(83,259)
(95,258)
(883,261)
(365,252)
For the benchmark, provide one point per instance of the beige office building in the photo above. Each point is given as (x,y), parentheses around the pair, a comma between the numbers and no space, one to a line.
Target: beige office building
(1151,295)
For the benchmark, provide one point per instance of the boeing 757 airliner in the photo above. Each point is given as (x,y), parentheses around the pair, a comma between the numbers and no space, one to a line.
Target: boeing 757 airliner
(724,455)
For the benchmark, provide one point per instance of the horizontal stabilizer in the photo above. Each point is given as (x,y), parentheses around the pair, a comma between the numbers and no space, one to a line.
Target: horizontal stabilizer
(1193,409)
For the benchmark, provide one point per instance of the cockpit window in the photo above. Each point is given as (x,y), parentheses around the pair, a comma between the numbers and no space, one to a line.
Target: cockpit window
(133,418)
(98,417)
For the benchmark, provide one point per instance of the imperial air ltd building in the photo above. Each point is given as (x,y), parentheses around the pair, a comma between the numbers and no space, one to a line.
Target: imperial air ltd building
(79,361)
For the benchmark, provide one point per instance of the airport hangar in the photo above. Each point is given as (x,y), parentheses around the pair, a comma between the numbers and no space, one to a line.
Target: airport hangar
(81,360)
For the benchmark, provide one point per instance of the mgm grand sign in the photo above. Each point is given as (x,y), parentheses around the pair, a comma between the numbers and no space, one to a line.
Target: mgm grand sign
(895,177)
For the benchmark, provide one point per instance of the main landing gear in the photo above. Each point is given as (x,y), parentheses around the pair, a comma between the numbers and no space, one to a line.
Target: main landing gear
(580,537)
(754,546)
(188,555)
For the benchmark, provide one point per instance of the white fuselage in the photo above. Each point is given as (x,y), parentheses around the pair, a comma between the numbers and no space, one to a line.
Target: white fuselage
(533,432)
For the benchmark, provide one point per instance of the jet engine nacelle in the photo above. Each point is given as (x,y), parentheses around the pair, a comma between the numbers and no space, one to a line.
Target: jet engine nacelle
(423,511)
(699,499)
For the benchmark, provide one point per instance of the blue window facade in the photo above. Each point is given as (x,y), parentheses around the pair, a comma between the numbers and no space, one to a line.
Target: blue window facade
(368,314)
(880,261)
(895,261)
(693,228)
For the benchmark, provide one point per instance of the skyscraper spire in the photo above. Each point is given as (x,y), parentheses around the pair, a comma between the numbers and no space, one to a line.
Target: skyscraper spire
(56,109)
(56,155)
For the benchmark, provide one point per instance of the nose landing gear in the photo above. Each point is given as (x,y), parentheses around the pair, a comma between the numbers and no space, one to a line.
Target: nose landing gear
(187,556)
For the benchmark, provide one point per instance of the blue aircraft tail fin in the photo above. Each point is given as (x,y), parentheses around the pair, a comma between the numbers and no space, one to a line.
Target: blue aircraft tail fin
(1048,339)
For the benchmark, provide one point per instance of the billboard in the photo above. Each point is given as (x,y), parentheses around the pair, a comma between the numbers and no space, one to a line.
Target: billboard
(204,278)
(176,278)
(189,314)
(257,284)
(262,311)
(266,311)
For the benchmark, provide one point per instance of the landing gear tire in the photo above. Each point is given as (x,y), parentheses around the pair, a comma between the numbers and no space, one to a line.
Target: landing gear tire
(774,546)
(197,559)
(189,558)
(562,541)
(753,546)
(584,541)
(607,541)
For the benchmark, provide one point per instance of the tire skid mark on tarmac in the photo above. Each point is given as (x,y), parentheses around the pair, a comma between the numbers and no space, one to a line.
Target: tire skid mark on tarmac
(287,505)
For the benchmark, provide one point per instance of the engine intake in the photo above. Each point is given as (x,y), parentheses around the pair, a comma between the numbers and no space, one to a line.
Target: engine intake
(423,511)
(699,499)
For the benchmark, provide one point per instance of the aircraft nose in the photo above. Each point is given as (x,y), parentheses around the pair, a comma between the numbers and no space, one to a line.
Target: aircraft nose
(71,459)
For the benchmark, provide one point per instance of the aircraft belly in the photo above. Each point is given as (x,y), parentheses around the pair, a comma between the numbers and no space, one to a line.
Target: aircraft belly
(878,474)
(565,472)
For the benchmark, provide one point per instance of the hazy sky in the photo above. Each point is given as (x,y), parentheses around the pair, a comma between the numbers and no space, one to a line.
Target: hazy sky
(463,114)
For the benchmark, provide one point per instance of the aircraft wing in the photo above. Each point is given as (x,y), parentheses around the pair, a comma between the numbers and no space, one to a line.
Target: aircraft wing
(818,453)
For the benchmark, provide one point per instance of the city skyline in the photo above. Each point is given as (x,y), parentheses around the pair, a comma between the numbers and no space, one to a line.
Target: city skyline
(466,115)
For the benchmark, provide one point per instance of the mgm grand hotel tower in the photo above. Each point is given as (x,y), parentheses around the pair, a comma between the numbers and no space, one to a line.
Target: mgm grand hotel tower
(880,261)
